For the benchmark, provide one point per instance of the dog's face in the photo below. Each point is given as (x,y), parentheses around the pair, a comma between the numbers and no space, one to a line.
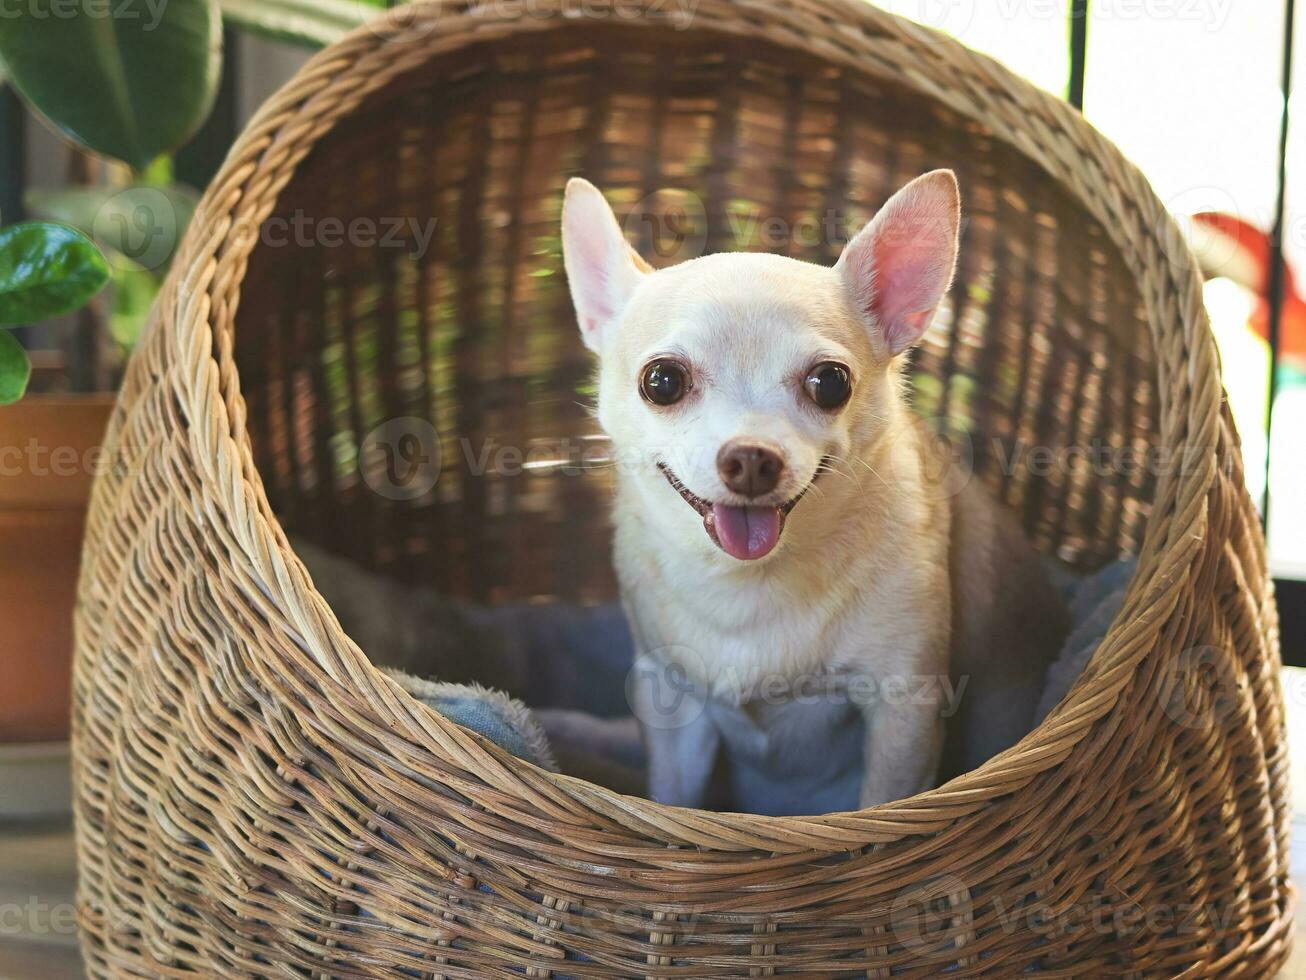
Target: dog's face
(729,383)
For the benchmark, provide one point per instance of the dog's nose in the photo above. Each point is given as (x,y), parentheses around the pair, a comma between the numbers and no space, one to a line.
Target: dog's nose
(749,471)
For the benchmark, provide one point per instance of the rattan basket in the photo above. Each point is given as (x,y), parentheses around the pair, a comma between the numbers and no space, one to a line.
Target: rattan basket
(255,798)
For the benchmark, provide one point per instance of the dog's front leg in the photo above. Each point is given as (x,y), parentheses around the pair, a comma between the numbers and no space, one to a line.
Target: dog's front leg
(681,738)
(904,739)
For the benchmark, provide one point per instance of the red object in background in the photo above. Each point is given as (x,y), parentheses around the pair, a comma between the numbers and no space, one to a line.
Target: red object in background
(1228,246)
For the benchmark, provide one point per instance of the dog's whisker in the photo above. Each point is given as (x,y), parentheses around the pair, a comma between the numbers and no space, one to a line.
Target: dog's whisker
(848,473)
(828,464)
(838,471)
(871,469)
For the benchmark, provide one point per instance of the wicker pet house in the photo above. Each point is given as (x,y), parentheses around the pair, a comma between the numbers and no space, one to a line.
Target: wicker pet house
(256,798)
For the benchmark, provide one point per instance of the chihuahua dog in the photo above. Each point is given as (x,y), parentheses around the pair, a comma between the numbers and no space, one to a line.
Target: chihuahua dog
(786,564)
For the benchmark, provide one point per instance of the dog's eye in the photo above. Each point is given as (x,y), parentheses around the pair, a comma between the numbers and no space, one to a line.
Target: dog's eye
(828,384)
(664,382)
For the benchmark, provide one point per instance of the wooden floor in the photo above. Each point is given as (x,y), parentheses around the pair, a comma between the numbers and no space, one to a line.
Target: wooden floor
(38,938)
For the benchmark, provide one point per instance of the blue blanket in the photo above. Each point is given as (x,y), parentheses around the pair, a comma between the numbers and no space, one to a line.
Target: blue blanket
(578,658)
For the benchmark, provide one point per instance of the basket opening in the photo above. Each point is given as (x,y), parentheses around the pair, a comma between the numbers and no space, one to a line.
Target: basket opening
(415,383)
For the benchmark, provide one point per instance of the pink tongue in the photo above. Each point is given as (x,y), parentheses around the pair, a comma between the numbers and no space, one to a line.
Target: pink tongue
(746,532)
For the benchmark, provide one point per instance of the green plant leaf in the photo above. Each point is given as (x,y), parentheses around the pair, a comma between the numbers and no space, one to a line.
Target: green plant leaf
(46,270)
(128,81)
(315,23)
(142,223)
(15,368)
(134,290)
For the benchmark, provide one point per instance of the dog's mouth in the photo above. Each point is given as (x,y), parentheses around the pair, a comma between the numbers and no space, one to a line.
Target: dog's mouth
(743,531)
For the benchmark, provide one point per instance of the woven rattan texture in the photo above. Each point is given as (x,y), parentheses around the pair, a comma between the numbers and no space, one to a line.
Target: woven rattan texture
(254,798)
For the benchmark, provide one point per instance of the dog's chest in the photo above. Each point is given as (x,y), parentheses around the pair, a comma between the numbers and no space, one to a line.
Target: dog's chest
(737,643)
(748,643)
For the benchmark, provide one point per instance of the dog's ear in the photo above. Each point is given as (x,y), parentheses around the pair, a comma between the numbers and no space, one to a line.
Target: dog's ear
(602,269)
(898,267)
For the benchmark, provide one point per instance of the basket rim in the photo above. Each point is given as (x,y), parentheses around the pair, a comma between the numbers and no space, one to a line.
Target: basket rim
(203,295)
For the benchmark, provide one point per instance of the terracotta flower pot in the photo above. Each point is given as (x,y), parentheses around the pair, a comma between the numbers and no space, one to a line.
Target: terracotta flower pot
(49,450)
